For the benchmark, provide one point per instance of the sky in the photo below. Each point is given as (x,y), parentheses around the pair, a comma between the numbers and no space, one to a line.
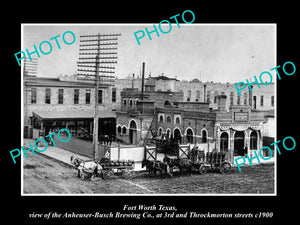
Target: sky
(208,52)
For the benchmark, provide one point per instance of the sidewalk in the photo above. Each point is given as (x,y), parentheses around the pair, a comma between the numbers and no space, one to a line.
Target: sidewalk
(57,153)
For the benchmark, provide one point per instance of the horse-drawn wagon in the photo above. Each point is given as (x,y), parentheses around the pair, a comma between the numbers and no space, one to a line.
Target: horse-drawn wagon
(122,168)
(185,159)
(105,168)
(212,160)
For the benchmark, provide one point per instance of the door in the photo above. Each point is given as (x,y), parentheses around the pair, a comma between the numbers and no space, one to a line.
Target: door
(239,140)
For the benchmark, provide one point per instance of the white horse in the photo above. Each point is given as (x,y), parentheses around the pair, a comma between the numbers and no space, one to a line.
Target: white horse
(86,167)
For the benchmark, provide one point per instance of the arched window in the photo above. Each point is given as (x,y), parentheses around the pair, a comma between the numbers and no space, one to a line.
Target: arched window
(177,121)
(168,134)
(130,102)
(124,130)
(168,119)
(204,136)
(124,102)
(224,142)
(167,103)
(177,135)
(119,129)
(253,140)
(189,135)
(159,132)
(161,119)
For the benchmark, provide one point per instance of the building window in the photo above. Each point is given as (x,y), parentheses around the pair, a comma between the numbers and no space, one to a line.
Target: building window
(272,100)
(124,102)
(33,95)
(88,96)
(159,133)
(114,95)
(208,97)
(261,100)
(245,98)
(231,98)
(167,103)
(60,96)
(238,101)
(100,96)
(124,130)
(177,121)
(48,96)
(197,96)
(168,119)
(168,134)
(204,136)
(189,95)
(254,102)
(119,129)
(161,119)
(130,102)
(76,96)
(189,135)
(215,96)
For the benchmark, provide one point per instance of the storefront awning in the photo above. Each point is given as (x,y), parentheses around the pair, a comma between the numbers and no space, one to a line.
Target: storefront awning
(241,127)
(72,114)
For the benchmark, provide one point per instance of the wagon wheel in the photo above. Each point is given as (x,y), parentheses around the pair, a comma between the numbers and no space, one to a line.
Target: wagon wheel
(202,169)
(107,174)
(225,167)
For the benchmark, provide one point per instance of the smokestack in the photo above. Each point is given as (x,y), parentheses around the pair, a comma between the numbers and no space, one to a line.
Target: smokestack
(204,94)
(132,82)
(221,103)
(143,78)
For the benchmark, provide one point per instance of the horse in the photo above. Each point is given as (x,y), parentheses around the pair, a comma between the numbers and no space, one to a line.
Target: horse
(154,166)
(94,168)
(75,161)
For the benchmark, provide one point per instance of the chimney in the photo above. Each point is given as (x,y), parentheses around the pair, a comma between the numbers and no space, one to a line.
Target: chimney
(143,78)
(132,82)
(221,103)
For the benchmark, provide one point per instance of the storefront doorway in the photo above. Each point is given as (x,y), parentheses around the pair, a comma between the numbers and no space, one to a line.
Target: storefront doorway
(224,142)
(239,141)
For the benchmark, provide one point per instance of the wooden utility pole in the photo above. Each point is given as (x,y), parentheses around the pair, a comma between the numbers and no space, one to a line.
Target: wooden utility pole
(91,69)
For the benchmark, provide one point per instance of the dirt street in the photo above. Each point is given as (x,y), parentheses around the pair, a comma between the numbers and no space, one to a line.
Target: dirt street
(44,175)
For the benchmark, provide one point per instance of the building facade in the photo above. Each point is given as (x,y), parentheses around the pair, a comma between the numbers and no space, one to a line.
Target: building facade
(51,103)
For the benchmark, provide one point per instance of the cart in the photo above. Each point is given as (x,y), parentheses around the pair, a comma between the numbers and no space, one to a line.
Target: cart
(212,160)
(121,168)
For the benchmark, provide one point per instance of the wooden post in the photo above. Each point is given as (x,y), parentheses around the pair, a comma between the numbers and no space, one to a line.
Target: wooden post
(119,150)
(96,120)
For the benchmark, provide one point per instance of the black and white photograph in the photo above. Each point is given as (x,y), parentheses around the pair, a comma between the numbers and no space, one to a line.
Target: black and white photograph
(162,115)
(173,115)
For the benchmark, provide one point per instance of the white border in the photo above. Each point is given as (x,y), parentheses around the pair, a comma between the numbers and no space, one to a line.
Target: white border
(141,24)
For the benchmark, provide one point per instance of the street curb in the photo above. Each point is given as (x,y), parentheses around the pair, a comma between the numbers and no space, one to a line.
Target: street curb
(57,160)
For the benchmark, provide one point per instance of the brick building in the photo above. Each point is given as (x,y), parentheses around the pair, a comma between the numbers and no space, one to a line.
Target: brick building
(197,91)
(211,115)
(50,103)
